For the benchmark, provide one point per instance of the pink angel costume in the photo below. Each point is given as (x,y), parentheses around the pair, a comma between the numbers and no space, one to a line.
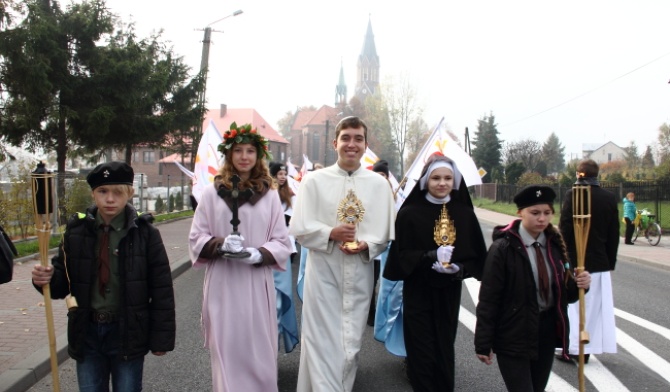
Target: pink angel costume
(239,314)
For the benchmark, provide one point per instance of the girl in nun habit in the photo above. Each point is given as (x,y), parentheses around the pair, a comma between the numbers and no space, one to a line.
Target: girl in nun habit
(432,274)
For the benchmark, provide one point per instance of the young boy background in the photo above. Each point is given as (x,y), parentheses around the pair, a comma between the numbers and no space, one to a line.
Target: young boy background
(113,262)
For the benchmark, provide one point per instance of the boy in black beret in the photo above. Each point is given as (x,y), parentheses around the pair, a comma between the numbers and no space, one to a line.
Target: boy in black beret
(114,273)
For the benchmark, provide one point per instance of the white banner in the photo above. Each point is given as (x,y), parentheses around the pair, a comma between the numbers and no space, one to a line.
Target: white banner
(441,143)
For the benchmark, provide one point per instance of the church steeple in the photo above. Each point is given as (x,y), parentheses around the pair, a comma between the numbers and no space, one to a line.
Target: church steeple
(368,66)
(341,89)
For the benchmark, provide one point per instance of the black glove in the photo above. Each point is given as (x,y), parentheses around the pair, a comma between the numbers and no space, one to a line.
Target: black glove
(430,256)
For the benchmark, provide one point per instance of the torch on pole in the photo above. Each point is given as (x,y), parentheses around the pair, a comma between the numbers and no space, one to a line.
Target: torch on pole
(43,202)
(581,219)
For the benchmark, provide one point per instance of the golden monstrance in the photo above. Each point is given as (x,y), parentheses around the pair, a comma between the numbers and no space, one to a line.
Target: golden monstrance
(351,211)
(444,232)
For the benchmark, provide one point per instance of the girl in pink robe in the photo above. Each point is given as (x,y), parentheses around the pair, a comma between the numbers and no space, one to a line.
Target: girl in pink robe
(239,316)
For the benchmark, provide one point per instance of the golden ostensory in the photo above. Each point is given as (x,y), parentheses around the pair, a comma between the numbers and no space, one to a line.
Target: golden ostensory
(351,211)
(445,232)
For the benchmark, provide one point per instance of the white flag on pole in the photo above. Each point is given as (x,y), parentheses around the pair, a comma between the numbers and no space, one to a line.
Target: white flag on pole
(292,177)
(440,142)
(207,160)
(307,165)
(369,159)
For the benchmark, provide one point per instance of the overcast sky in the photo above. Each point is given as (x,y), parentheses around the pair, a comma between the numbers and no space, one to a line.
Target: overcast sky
(589,71)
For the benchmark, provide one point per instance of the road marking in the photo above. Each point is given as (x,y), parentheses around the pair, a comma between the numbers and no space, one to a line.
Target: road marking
(649,358)
(665,332)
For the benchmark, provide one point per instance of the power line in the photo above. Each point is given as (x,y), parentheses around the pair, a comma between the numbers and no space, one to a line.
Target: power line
(585,93)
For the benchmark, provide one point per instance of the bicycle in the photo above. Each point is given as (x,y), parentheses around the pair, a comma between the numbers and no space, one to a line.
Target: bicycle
(645,222)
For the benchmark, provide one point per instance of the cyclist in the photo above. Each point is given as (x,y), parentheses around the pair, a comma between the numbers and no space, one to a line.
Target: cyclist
(629,212)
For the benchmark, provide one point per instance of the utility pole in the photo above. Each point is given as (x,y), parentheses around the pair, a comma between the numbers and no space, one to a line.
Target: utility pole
(468,148)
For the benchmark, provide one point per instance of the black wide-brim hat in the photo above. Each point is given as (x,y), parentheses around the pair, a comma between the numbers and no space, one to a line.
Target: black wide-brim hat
(111,173)
(533,195)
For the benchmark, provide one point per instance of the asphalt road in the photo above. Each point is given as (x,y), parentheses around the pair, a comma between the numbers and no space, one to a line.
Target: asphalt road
(639,290)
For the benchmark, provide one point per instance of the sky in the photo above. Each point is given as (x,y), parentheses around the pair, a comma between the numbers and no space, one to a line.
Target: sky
(589,71)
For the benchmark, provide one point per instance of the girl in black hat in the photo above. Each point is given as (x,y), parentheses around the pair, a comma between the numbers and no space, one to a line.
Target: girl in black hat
(523,299)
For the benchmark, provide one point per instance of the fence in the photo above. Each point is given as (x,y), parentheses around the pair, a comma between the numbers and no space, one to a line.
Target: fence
(654,195)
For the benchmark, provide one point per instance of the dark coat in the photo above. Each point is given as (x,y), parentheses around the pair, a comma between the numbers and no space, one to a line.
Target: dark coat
(147,314)
(7,253)
(508,313)
(603,241)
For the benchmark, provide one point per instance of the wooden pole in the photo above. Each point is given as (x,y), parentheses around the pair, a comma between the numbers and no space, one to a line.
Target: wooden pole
(581,218)
(44,183)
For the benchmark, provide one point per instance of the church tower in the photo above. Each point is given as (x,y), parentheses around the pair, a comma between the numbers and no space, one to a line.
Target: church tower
(367,78)
(341,89)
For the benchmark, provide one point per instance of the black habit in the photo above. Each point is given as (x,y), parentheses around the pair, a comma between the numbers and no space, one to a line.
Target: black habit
(431,300)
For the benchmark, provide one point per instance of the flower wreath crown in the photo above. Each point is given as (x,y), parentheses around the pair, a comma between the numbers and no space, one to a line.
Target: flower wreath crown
(244,134)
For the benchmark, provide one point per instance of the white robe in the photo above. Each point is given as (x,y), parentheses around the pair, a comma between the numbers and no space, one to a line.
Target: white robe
(600,320)
(338,287)
(239,314)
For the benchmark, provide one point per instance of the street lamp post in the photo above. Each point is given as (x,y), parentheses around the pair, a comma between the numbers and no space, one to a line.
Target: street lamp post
(204,60)
(204,65)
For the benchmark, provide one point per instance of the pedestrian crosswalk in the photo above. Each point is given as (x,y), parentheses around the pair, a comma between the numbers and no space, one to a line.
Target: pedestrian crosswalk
(600,377)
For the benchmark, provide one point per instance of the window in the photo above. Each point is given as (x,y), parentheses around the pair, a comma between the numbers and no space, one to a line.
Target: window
(148,156)
(136,156)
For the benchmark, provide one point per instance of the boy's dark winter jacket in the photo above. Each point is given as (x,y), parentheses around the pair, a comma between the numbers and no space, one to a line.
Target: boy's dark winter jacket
(147,311)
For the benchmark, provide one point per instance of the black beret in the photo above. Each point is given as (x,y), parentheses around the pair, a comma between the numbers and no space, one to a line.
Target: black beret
(534,194)
(381,166)
(111,173)
(275,167)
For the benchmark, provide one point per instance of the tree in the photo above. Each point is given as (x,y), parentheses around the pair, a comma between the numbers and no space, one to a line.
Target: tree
(553,154)
(179,201)
(400,101)
(528,152)
(159,207)
(46,73)
(531,178)
(648,159)
(664,142)
(632,158)
(486,152)
(144,96)
(284,124)
(513,172)
(380,140)
(416,139)
(171,203)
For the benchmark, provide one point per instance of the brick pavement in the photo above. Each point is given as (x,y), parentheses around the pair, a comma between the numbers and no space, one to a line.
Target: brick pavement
(24,353)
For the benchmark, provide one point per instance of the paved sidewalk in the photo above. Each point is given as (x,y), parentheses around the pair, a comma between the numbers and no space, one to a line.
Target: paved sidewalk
(24,351)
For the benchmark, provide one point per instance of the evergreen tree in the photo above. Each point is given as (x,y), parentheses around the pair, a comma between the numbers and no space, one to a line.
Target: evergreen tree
(513,171)
(648,159)
(160,205)
(487,150)
(171,203)
(553,154)
(179,201)
(632,157)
